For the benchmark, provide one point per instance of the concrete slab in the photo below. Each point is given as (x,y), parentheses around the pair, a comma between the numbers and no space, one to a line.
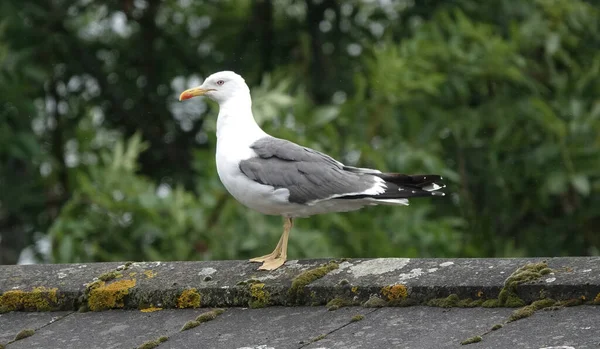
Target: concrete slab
(414,327)
(108,329)
(14,322)
(568,328)
(273,327)
(314,328)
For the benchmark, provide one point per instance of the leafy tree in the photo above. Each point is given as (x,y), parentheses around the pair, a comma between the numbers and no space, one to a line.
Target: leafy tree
(98,157)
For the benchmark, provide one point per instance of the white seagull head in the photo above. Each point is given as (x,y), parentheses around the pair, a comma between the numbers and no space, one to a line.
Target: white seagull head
(220,87)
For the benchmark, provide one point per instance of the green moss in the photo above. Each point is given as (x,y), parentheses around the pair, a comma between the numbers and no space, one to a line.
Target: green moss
(453,301)
(521,313)
(190,324)
(529,272)
(491,303)
(296,291)
(189,298)
(204,317)
(569,302)
(356,318)
(259,297)
(374,302)
(402,302)
(509,299)
(470,303)
(318,338)
(38,299)
(529,310)
(496,327)
(248,282)
(28,332)
(448,302)
(111,275)
(109,296)
(508,294)
(471,340)
(2,346)
(337,303)
(153,344)
(209,315)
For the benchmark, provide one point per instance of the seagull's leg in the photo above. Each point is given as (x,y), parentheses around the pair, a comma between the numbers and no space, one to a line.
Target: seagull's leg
(271,255)
(279,256)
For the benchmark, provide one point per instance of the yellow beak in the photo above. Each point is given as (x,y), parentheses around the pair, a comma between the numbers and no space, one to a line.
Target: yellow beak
(193,92)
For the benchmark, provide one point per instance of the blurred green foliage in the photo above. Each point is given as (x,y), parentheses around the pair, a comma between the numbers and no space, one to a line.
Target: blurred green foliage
(99,158)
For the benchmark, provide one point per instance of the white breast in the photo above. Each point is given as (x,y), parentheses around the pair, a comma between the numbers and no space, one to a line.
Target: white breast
(234,138)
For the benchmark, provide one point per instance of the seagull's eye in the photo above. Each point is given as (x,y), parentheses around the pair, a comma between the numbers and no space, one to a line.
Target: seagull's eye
(220,82)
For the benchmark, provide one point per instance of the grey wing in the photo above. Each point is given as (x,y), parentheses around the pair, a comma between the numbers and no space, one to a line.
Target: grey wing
(307,174)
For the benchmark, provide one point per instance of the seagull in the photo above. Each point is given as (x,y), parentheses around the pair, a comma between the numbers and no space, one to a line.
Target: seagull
(277,177)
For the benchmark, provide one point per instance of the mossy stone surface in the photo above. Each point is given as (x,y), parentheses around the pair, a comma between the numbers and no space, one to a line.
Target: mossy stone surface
(398,281)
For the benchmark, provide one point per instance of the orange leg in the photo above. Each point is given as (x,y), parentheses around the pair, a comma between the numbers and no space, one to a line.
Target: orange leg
(276,258)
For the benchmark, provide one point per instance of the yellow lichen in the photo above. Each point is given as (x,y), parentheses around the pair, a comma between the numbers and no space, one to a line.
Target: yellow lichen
(38,299)
(480,294)
(395,292)
(259,296)
(597,299)
(189,298)
(11,300)
(150,309)
(354,289)
(109,296)
(149,274)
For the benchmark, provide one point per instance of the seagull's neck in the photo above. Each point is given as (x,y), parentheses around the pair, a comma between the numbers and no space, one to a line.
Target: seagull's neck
(235,120)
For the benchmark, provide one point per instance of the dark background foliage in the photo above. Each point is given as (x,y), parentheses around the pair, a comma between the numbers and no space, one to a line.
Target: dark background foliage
(99,161)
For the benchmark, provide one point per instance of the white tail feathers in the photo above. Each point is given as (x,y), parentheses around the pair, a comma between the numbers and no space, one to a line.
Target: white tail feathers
(403,202)
(434,187)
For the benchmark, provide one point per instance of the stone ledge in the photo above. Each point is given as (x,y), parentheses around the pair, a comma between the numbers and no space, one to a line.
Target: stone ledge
(369,282)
